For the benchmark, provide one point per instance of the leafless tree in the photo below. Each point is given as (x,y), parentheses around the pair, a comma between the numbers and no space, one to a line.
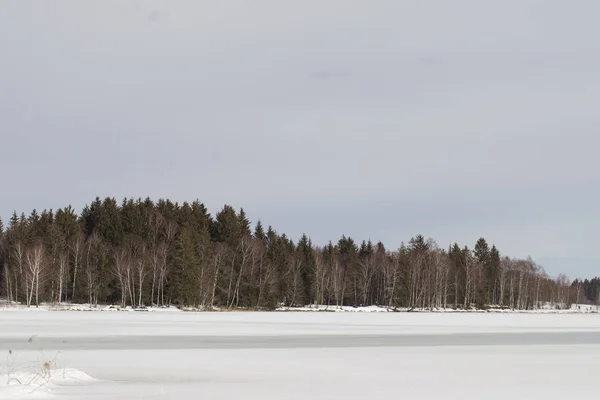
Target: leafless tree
(76,245)
(170,232)
(156,223)
(563,289)
(539,278)
(338,282)
(292,275)
(321,277)
(162,254)
(121,270)
(245,253)
(63,274)
(441,268)
(391,270)
(470,279)
(140,260)
(578,289)
(18,258)
(35,262)
(366,272)
(505,265)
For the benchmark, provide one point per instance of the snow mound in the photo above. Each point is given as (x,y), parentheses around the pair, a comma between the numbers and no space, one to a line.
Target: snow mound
(28,385)
(336,308)
(84,307)
(383,309)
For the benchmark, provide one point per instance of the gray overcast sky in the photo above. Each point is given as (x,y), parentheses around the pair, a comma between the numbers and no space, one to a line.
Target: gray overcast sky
(382,119)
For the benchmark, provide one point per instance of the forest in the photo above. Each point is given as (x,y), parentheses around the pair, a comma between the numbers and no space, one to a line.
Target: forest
(140,253)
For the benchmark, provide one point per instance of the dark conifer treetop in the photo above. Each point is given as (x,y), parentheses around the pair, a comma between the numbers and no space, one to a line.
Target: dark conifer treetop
(140,252)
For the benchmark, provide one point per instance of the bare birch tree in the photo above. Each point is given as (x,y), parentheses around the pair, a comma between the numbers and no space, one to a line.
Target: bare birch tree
(63,274)
(76,246)
(34,260)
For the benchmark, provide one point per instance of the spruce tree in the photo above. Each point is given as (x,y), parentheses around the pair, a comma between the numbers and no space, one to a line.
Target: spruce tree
(259,233)
(201,260)
(202,221)
(111,222)
(307,254)
(481,252)
(3,270)
(184,259)
(226,227)
(244,223)
(347,251)
(66,221)
(457,262)
(493,275)
(131,216)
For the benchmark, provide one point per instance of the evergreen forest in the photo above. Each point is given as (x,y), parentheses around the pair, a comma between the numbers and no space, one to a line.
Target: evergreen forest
(141,253)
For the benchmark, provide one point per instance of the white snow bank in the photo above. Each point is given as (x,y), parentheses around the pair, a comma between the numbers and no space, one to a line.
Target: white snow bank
(26,385)
(84,307)
(336,308)
(310,308)
(324,308)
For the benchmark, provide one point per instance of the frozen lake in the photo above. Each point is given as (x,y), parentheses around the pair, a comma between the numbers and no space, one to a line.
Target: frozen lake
(305,355)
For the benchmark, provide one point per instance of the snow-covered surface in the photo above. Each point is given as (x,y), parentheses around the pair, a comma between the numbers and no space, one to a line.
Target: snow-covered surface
(304,362)
(584,308)
(328,308)
(40,384)
(546,309)
(76,324)
(83,307)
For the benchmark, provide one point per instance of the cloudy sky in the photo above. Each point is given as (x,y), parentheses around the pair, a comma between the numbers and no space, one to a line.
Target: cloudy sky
(380,119)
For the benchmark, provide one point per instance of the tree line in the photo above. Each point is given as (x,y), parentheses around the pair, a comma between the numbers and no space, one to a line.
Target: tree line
(586,291)
(140,252)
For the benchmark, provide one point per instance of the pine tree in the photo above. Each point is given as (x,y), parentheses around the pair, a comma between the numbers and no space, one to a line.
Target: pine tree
(481,253)
(182,286)
(272,236)
(90,216)
(131,216)
(226,227)
(259,232)
(457,261)
(201,219)
(418,244)
(167,209)
(244,223)
(111,222)
(493,275)
(346,278)
(307,274)
(3,265)
(13,222)
(366,270)
(66,221)
(194,259)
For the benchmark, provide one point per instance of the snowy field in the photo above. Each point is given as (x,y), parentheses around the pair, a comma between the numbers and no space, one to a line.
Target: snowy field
(175,355)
